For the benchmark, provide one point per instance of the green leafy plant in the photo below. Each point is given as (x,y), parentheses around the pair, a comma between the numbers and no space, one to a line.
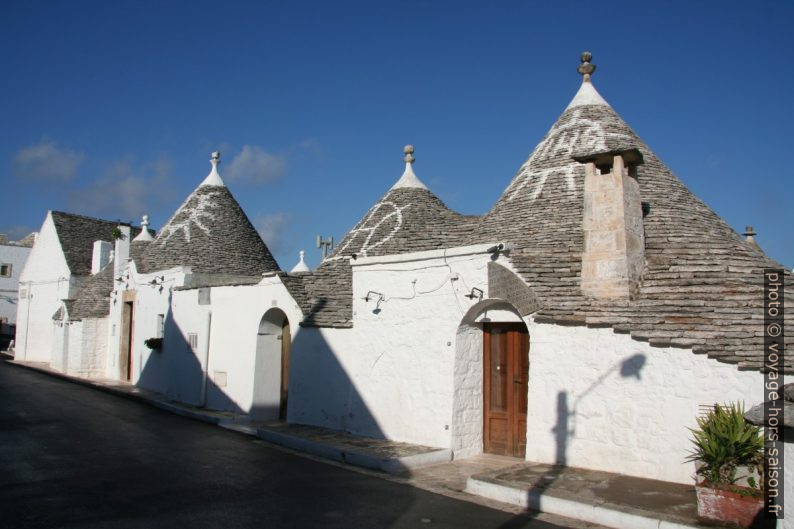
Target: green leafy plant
(117,234)
(154,343)
(724,441)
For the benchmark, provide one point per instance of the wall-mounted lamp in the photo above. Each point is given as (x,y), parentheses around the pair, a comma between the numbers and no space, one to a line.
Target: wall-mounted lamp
(157,281)
(501,247)
(372,295)
(475,293)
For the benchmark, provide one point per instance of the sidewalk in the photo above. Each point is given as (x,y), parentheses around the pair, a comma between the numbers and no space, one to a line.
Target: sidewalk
(508,484)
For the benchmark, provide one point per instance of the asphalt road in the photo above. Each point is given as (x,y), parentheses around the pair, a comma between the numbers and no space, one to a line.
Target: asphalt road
(71,456)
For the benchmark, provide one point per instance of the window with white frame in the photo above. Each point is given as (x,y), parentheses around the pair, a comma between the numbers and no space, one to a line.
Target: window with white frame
(160,325)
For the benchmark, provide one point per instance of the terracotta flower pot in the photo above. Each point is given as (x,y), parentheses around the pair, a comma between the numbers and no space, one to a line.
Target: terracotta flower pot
(728,507)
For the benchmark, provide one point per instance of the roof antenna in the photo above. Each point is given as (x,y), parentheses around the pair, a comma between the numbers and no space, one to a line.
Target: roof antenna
(586,69)
(327,245)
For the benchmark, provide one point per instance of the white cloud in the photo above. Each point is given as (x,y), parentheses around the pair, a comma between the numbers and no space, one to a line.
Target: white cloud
(253,166)
(15,233)
(126,190)
(272,227)
(48,162)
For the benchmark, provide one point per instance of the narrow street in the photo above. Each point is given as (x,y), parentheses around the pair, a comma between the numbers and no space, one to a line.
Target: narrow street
(71,456)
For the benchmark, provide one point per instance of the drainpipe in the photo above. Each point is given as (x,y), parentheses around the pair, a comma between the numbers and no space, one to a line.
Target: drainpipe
(206,361)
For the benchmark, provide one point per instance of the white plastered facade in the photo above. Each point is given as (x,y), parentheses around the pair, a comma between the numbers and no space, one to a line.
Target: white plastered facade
(45,281)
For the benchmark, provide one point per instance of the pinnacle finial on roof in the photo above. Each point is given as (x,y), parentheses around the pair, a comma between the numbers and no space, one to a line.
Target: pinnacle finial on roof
(409,154)
(409,179)
(214,179)
(749,235)
(586,69)
(301,266)
(144,235)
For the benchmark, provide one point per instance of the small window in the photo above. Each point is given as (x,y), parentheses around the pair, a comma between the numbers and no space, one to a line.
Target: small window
(160,325)
(23,293)
(5,270)
(192,340)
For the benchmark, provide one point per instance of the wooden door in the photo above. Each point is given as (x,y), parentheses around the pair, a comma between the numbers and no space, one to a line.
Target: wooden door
(286,343)
(127,333)
(505,378)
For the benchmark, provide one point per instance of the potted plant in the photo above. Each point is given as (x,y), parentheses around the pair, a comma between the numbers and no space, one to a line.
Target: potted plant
(153,343)
(728,454)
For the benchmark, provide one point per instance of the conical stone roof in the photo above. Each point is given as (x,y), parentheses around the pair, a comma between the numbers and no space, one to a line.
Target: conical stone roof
(408,218)
(211,234)
(701,286)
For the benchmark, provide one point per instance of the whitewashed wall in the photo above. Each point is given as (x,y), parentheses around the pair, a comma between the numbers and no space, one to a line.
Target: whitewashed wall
(403,360)
(47,280)
(236,314)
(87,348)
(148,301)
(608,402)
(320,380)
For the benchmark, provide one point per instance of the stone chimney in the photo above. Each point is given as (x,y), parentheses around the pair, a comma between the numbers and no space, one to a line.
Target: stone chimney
(100,256)
(614,238)
(121,252)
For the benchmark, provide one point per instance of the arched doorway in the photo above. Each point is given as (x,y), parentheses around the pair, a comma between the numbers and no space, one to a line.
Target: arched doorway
(271,367)
(491,377)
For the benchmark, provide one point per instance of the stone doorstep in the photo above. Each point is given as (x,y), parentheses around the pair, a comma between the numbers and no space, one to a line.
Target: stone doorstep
(376,454)
(612,500)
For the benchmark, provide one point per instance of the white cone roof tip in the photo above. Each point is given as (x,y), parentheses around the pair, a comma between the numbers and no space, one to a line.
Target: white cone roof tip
(144,235)
(587,95)
(301,266)
(214,179)
(409,179)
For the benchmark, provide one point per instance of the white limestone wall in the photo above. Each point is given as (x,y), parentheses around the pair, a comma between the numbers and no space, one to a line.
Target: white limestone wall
(603,401)
(60,345)
(403,370)
(9,286)
(87,347)
(237,313)
(149,368)
(46,280)
(320,377)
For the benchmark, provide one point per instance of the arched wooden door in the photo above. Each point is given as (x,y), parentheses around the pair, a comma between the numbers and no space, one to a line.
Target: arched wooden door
(505,380)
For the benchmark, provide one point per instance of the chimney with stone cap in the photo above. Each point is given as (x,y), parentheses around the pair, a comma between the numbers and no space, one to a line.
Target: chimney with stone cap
(100,256)
(121,251)
(614,239)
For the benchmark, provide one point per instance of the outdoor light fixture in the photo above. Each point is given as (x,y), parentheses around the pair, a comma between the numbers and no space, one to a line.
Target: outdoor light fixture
(501,247)
(372,294)
(475,293)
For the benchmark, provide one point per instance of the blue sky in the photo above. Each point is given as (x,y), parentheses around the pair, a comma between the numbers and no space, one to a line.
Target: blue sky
(111,109)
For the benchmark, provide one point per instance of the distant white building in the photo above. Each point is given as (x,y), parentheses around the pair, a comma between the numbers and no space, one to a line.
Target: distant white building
(12,259)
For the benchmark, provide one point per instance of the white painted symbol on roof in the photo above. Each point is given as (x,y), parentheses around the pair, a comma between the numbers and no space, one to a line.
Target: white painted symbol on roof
(370,226)
(195,216)
(576,133)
